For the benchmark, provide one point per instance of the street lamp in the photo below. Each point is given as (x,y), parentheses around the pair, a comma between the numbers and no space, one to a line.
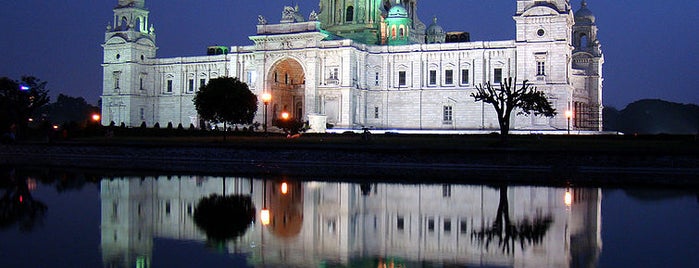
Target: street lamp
(285,116)
(266,98)
(569,115)
(96,117)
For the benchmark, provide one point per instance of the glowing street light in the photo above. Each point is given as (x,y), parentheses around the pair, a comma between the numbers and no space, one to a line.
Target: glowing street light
(569,115)
(285,188)
(568,198)
(266,98)
(264,216)
(96,117)
(285,115)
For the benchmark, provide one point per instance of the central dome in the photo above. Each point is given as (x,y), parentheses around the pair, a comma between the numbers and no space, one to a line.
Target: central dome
(398,11)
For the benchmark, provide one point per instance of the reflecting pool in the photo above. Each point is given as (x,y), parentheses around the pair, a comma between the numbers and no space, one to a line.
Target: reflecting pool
(53,218)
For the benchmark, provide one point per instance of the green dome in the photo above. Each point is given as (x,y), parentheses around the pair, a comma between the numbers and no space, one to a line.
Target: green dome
(398,11)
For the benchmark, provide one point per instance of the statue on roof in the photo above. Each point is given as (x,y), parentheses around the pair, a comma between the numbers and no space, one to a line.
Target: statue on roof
(261,20)
(291,15)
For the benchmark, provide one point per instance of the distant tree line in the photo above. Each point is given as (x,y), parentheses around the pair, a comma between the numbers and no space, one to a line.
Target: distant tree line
(652,116)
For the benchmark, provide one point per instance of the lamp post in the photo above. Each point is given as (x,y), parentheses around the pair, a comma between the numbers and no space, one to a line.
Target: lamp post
(569,115)
(266,98)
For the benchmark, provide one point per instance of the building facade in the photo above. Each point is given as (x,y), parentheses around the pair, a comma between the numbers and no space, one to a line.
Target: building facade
(364,63)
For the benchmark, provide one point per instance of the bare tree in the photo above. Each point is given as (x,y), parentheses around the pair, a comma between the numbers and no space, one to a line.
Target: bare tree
(527,99)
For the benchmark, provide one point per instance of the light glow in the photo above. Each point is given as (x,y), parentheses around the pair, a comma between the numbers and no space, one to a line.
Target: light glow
(285,188)
(266,98)
(568,199)
(264,216)
(569,114)
(55,126)
(96,117)
(285,115)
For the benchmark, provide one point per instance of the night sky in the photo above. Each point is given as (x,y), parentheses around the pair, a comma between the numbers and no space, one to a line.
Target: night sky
(651,47)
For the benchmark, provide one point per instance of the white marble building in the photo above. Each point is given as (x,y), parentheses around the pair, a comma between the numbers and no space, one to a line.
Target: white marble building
(364,63)
(317,223)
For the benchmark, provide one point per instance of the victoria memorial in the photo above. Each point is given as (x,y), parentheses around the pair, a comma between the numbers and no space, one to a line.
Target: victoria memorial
(364,64)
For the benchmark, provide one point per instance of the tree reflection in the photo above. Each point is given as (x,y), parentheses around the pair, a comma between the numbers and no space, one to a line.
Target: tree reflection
(224,218)
(17,204)
(508,234)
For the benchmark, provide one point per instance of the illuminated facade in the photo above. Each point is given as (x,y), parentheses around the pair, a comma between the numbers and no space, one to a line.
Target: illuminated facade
(344,223)
(364,63)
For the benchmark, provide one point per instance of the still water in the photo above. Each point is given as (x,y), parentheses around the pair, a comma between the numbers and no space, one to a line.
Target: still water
(56,218)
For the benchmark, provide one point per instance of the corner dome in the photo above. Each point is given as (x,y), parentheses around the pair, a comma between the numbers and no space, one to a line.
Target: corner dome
(434,28)
(584,15)
(398,11)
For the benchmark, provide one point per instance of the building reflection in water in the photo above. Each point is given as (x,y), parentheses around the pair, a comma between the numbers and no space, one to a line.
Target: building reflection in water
(317,223)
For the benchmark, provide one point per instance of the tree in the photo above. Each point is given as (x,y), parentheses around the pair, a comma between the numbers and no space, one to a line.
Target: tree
(19,101)
(226,100)
(506,99)
(68,109)
(509,233)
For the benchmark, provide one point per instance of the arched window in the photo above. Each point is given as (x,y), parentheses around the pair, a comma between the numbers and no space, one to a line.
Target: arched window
(124,24)
(393,32)
(137,24)
(583,41)
(349,15)
(401,32)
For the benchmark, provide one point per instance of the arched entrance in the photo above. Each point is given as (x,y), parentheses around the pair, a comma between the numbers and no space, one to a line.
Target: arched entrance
(287,85)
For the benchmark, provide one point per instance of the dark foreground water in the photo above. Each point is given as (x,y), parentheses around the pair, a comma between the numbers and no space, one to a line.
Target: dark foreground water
(73,219)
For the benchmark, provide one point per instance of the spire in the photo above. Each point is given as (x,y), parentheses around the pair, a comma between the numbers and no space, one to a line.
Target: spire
(583,4)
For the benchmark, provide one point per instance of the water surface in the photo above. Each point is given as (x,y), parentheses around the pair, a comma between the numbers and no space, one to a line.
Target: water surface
(74,219)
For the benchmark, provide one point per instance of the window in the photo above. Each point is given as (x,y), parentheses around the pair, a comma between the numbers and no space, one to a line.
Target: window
(349,16)
(462,227)
(140,83)
(447,119)
(286,79)
(117,78)
(376,79)
(497,76)
(446,190)
(400,223)
(433,77)
(376,112)
(143,114)
(540,67)
(334,74)
(167,208)
(449,77)
(447,226)
(464,77)
(401,78)
(191,85)
(202,82)
(169,86)
(275,77)
(430,225)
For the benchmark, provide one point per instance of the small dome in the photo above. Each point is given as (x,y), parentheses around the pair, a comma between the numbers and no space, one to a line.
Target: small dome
(398,11)
(584,14)
(434,28)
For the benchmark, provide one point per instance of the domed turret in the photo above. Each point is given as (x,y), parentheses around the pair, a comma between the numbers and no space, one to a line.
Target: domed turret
(398,11)
(435,33)
(584,15)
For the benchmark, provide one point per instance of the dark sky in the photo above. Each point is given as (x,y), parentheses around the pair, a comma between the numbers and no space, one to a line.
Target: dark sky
(651,47)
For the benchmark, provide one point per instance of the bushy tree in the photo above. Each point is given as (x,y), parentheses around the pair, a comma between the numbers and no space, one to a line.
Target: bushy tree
(20,100)
(505,99)
(226,100)
(68,109)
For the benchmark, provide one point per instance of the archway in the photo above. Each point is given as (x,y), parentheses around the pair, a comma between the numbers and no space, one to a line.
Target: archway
(287,93)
